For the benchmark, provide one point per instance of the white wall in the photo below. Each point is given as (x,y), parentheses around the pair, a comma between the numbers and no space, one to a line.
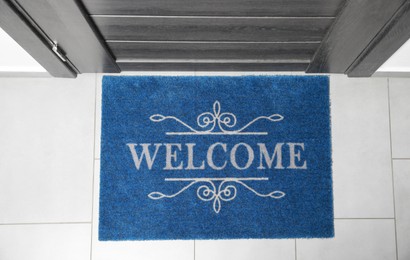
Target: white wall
(13,58)
(399,61)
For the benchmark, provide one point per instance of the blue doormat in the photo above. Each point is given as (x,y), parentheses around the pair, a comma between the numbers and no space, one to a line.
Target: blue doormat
(215,158)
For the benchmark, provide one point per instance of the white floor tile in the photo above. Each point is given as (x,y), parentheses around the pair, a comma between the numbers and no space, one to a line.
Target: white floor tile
(401,170)
(131,250)
(400,116)
(245,249)
(46,149)
(354,240)
(45,242)
(361,148)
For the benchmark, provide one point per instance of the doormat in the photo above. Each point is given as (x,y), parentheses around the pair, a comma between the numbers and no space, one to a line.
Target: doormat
(215,158)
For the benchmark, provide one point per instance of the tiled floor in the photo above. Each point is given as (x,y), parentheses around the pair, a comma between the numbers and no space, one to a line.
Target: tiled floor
(49,177)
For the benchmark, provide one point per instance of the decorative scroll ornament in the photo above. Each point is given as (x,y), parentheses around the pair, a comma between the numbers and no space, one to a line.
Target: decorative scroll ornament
(216,123)
(209,122)
(208,191)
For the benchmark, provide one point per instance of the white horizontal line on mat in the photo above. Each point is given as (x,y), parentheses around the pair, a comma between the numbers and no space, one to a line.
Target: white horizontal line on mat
(216,133)
(216,179)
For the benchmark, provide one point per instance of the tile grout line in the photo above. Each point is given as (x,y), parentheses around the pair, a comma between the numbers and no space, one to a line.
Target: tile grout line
(392,170)
(92,189)
(400,159)
(296,250)
(194,250)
